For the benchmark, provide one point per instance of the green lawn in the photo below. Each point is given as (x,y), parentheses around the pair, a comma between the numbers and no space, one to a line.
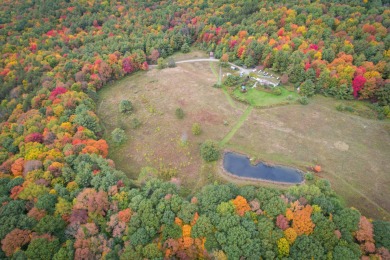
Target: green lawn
(258,98)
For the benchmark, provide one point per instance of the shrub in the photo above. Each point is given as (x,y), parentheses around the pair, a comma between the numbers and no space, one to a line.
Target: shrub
(231,81)
(209,151)
(196,129)
(303,100)
(118,136)
(135,123)
(340,107)
(309,176)
(125,106)
(167,173)
(277,92)
(179,113)
(171,63)
(161,63)
(349,109)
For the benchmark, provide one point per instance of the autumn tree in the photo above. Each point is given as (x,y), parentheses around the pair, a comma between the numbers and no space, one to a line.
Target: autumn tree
(14,240)
(365,235)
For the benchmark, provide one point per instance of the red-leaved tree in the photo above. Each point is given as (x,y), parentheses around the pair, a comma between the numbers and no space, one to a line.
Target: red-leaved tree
(358,84)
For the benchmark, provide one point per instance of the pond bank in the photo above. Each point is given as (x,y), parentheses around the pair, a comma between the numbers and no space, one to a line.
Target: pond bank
(239,166)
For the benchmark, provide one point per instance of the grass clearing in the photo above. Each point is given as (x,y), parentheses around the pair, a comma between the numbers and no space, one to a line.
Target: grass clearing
(155,95)
(258,98)
(353,151)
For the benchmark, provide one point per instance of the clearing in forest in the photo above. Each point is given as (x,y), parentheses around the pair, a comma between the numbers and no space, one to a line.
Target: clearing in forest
(352,150)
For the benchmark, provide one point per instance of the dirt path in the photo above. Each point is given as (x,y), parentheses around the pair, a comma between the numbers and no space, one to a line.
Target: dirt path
(237,126)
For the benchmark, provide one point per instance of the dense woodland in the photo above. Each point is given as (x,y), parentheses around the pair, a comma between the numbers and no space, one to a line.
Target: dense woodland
(62,198)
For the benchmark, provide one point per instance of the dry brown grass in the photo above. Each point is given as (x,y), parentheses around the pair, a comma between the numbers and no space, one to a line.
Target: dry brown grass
(155,95)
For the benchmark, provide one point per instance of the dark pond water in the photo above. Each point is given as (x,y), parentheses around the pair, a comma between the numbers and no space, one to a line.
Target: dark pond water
(239,165)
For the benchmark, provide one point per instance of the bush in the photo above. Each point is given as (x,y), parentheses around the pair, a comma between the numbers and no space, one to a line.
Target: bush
(161,63)
(118,136)
(209,151)
(135,123)
(340,107)
(196,129)
(125,106)
(231,81)
(309,176)
(303,100)
(277,92)
(179,113)
(171,63)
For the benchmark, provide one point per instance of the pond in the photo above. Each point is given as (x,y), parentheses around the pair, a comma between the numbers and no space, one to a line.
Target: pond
(240,166)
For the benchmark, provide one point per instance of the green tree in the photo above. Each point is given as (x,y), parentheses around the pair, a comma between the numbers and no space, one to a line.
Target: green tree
(202,227)
(171,231)
(346,251)
(42,248)
(151,251)
(381,233)
(187,211)
(118,136)
(89,120)
(54,225)
(185,48)
(274,207)
(306,247)
(209,151)
(328,54)
(65,252)
(47,202)
(296,73)
(125,107)
(347,221)
(307,88)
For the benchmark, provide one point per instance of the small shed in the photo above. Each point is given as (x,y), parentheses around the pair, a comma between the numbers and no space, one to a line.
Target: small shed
(211,54)
(243,89)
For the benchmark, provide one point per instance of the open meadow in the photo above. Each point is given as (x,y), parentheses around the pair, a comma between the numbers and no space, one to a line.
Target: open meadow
(353,151)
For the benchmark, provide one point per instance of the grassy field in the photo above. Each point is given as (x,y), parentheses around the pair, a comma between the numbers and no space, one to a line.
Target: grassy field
(352,150)
(259,98)
(158,142)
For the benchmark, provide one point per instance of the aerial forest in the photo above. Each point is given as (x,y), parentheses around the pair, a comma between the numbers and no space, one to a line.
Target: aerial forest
(61,196)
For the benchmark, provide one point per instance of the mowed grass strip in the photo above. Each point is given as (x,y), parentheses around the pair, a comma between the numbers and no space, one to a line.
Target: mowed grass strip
(237,126)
